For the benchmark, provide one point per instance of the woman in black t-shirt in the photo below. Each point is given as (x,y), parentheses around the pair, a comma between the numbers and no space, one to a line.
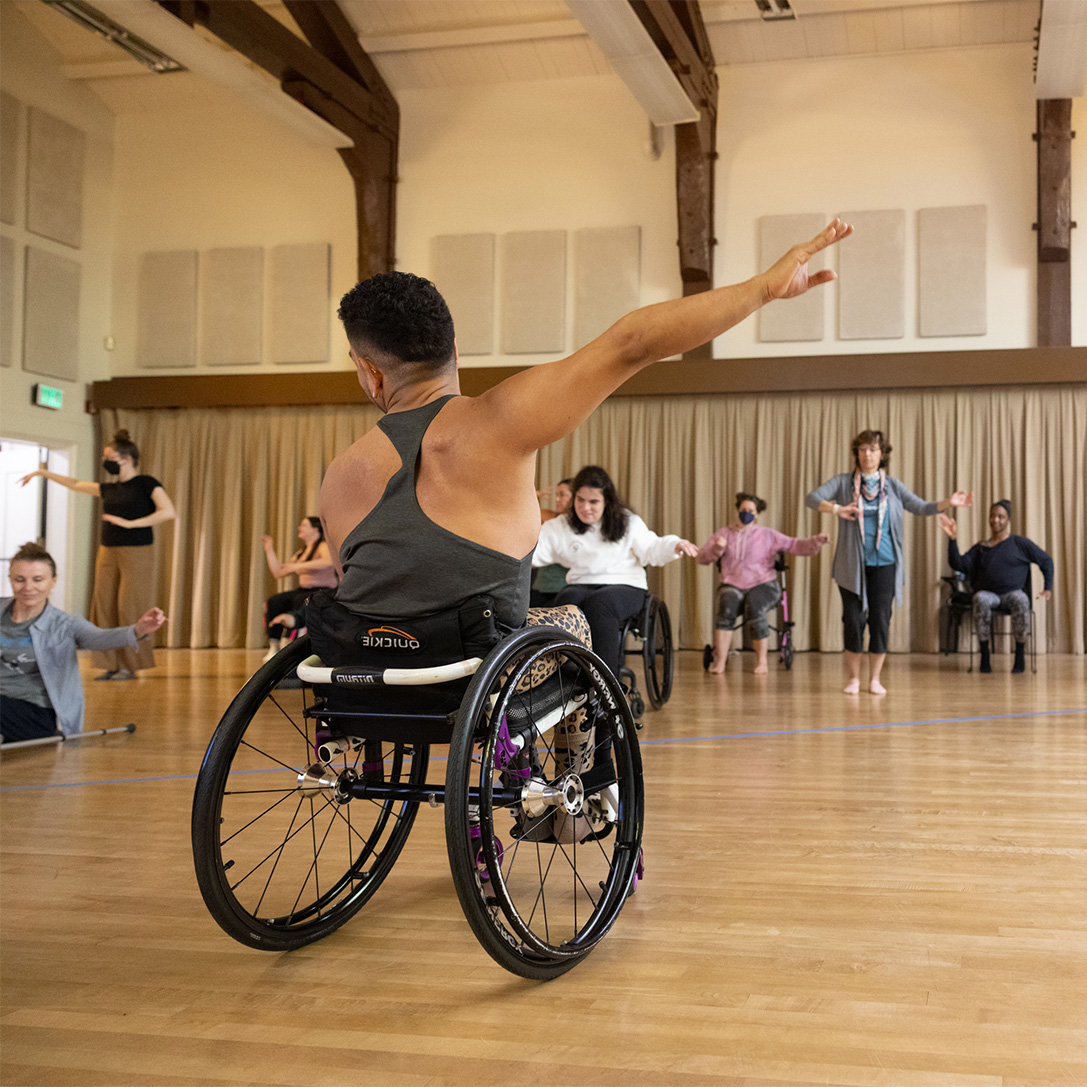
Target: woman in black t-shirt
(124,568)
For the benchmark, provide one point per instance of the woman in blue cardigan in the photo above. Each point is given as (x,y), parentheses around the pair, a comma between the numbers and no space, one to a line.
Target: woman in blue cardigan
(868,558)
(40,687)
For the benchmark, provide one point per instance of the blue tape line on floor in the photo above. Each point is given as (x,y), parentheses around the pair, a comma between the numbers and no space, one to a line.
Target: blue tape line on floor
(641,743)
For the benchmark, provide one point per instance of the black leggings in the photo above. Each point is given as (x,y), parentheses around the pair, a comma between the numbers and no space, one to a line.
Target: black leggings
(280,603)
(607,607)
(21,720)
(880,583)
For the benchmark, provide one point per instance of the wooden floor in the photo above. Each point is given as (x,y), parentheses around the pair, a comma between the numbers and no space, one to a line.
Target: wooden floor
(838,890)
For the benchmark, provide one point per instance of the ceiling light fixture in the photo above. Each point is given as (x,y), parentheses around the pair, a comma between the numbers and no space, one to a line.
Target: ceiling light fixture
(91,19)
(772,10)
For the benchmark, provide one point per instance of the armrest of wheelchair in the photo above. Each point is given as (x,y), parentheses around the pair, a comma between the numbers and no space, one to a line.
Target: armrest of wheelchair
(314,670)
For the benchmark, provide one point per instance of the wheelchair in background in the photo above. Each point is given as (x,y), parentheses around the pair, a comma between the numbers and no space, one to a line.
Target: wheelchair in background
(784,627)
(314,776)
(649,636)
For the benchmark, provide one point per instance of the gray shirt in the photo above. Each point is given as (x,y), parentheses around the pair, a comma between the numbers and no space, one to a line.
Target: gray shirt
(848,566)
(55,636)
(19,675)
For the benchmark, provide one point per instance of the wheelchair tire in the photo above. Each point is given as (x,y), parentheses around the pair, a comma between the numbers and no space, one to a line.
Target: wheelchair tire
(541,887)
(787,654)
(278,868)
(657,654)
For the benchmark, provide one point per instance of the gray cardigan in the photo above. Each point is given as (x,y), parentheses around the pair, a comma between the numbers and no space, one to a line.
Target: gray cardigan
(56,636)
(848,567)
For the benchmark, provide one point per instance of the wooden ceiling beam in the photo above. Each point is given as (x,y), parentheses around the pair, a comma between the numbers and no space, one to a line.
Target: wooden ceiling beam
(246,27)
(332,76)
(328,31)
(678,31)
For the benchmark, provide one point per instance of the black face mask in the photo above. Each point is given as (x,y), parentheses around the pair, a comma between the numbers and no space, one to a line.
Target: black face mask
(111,467)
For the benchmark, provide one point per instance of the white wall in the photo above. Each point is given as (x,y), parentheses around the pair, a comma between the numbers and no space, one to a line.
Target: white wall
(29,73)
(551,155)
(207,171)
(900,131)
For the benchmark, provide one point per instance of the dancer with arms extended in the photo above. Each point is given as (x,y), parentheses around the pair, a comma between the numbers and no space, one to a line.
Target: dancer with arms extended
(124,567)
(869,563)
(446,483)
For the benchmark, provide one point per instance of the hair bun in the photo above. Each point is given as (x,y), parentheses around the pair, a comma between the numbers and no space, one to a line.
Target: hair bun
(122,436)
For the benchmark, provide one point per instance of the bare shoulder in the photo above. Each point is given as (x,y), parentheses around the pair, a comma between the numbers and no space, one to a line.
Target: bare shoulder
(354,482)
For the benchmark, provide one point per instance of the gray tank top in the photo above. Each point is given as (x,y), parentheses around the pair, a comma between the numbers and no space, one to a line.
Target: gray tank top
(398,564)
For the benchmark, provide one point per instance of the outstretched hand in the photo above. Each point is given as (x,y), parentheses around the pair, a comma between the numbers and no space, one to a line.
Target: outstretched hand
(789,277)
(32,475)
(951,529)
(961,498)
(685,547)
(149,622)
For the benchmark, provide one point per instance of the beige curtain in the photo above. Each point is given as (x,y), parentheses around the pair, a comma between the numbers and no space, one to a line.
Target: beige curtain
(237,473)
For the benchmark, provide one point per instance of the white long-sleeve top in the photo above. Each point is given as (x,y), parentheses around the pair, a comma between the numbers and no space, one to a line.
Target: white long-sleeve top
(592,560)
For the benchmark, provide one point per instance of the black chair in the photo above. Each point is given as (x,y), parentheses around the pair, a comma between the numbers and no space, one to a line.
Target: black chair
(999,612)
(960,605)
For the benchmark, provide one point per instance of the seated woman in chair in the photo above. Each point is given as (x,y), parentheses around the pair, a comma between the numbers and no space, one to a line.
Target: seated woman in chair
(41,689)
(998,570)
(606,547)
(745,553)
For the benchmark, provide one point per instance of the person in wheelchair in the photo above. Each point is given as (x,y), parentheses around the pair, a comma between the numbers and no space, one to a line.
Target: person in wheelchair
(606,547)
(744,553)
(303,804)
(997,570)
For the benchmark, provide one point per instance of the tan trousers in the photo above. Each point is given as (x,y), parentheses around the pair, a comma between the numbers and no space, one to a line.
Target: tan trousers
(124,586)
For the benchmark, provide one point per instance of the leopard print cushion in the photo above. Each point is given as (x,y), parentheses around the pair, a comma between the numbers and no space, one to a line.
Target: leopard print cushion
(567,617)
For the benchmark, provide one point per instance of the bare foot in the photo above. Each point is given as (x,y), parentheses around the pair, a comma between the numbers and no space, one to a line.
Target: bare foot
(875,687)
(717,668)
(761,669)
(852,687)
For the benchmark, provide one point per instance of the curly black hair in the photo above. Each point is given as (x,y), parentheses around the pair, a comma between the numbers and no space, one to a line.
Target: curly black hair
(397,317)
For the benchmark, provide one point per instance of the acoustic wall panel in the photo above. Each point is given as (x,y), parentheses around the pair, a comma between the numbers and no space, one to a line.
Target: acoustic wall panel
(7,298)
(534,292)
(608,278)
(166,309)
(464,273)
(231,314)
(951,263)
(299,301)
(51,315)
(9,139)
(795,319)
(54,179)
(872,277)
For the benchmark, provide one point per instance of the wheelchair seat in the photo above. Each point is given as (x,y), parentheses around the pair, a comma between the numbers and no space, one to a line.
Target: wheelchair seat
(315,774)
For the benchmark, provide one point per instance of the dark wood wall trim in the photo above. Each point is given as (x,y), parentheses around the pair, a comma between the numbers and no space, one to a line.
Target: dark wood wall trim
(812,373)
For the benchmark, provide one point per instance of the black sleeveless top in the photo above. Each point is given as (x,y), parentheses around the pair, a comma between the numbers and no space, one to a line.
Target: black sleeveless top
(398,564)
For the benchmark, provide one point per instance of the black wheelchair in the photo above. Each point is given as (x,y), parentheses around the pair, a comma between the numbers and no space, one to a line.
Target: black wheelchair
(649,636)
(313,778)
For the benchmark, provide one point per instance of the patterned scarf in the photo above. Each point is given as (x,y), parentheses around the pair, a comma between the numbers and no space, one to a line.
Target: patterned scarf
(869,494)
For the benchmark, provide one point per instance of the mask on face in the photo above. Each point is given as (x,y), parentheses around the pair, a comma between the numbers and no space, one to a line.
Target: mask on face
(746,517)
(111,467)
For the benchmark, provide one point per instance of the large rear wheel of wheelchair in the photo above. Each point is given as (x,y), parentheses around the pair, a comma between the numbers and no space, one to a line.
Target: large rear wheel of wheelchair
(657,654)
(543,803)
(282,858)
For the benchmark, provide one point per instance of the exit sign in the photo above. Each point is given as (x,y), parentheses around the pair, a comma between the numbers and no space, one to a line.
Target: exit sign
(45,396)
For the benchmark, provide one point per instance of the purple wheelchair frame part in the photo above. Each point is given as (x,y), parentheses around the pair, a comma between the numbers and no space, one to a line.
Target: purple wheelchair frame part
(505,750)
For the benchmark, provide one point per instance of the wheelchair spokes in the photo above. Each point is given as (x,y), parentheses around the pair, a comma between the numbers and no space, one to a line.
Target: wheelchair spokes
(558,781)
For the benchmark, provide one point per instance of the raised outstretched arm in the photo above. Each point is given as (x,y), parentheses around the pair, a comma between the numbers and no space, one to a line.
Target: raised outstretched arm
(544,403)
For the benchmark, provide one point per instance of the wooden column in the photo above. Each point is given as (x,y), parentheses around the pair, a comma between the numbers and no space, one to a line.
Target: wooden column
(1054,225)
